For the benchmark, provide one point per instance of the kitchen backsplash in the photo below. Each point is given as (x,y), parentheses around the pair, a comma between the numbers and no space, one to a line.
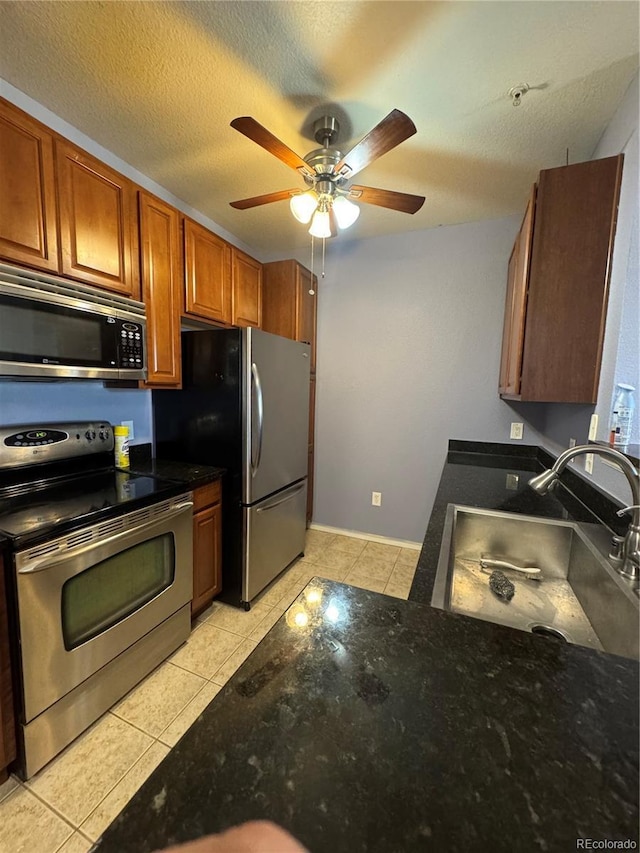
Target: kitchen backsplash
(47,402)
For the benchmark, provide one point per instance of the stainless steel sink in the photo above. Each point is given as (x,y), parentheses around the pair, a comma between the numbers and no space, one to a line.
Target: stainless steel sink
(580,598)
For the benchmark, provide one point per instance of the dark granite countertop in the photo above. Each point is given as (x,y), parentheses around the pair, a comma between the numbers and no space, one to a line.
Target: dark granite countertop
(373,724)
(191,475)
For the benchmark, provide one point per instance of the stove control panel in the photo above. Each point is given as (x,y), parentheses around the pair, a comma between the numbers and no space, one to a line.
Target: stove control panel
(32,444)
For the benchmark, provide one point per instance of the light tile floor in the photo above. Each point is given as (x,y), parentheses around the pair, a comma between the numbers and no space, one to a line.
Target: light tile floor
(68,805)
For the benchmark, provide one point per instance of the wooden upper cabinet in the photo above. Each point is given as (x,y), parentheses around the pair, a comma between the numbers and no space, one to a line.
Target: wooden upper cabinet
(247,290)
(516,303)
(564,311)
(98,222)
(28,227)
(289,309)
(207,266)
(161,271)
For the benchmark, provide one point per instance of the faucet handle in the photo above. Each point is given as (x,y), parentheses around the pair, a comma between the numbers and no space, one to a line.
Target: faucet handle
(616,548)
(625,509)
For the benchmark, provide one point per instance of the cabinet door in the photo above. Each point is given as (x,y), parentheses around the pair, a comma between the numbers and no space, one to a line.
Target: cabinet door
(307,302)
(98,222)
(575,221)
(280,298)
(312,411)
(28,228)
(161,271)
(207,264)
(310,486)
(247,290)
(206,556)
(516,304)
(7,721)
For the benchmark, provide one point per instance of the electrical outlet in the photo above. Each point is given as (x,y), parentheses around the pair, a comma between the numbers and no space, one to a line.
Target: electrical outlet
(593,427)
(516,430)
(588,463)
(129,425)
(512,482)
(572,442)
(376,498)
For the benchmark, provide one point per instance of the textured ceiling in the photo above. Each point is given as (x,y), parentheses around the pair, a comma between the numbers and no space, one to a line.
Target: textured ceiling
(157,83)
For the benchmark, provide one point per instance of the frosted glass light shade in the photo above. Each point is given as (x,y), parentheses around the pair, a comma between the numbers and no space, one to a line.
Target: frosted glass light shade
(320,224)
(346,211)
(303,205)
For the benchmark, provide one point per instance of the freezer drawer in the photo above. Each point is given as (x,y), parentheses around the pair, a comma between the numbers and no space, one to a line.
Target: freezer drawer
(274,536)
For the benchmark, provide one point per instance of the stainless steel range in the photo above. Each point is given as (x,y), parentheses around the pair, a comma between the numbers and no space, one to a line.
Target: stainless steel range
(100,577)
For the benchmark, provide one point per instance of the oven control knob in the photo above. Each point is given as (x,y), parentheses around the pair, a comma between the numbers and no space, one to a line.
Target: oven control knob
(102,435)
(90,434)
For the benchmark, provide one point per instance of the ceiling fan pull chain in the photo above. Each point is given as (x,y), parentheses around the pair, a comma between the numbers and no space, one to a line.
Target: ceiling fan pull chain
(324,243)
(311,290)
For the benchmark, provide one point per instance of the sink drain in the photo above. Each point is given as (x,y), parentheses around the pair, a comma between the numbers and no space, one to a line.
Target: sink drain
(549,631)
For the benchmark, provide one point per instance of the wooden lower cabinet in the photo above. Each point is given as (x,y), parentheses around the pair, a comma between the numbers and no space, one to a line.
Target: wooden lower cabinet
(7,719)
(207,545)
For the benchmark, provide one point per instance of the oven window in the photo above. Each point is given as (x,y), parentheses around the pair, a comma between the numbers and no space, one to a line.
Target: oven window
(109,591)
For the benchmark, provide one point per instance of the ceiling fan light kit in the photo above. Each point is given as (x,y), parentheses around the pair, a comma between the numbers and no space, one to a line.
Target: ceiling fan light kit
(326,171)
(346,211)
(303,206)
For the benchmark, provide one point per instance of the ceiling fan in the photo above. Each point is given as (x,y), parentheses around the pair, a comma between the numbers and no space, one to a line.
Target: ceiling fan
(328,201)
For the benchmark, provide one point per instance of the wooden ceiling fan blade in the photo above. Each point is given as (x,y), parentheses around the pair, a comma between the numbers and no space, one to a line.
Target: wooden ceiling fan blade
(254,131)
(404,202)
(391,131)
(267,198)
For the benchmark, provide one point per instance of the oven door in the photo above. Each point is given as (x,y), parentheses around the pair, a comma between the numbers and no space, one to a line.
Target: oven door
(85,598)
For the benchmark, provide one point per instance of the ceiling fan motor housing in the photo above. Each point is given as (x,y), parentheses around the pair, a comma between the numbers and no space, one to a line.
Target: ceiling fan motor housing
(326,130)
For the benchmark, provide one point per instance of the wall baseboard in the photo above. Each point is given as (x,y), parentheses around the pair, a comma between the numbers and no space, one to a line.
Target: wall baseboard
(384,540)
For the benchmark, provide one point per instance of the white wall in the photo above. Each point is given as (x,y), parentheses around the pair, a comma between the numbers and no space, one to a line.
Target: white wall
(409,338)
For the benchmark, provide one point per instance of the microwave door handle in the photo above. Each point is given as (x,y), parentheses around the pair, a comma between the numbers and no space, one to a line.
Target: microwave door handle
(46,563)
(257,387)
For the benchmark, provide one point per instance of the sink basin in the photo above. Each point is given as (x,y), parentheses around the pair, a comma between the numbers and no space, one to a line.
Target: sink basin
(579,599)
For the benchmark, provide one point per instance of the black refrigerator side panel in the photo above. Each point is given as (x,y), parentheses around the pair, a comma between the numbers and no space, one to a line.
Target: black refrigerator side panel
(202,424)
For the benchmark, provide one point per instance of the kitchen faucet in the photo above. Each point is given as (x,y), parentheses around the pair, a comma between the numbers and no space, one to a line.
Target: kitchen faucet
(625,554)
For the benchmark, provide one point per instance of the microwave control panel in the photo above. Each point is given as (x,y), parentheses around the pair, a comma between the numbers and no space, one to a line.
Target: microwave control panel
(131,346)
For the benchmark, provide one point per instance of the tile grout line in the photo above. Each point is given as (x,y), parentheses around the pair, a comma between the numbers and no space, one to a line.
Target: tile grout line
(51,808)
(85,819)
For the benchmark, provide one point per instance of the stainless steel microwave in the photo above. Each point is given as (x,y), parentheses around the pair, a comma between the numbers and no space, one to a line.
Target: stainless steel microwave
(54,328)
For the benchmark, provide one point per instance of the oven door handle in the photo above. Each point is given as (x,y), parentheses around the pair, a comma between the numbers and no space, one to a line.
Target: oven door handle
(46,563)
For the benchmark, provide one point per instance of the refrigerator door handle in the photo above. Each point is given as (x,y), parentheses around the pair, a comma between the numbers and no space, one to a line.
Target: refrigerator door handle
(257,388)
(290,494)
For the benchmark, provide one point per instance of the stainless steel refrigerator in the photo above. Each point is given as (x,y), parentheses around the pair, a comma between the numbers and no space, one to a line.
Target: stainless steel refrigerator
(244,407)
